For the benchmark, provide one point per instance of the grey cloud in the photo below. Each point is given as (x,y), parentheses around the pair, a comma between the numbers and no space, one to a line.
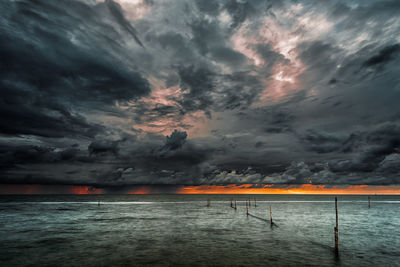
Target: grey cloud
(103,146)
(322,142)
(390,164)
(117,13)
(384,55)
(269,56)
(199,82)
(13,155)
(51,63)
(175,140)
(42,119)
(206,34)
(296,173)
(209,7)
(227,55)
(239,11)
(99,74)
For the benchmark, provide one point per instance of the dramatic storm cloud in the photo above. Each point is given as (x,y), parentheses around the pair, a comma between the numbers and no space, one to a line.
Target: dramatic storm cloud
(129,92)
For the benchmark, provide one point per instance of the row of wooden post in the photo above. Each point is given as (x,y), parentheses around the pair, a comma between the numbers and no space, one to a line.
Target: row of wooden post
(335,229)
(255,205)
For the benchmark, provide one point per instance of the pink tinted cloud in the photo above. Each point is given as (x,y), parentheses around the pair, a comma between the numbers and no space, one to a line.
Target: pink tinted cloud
(283,33)
(150,120)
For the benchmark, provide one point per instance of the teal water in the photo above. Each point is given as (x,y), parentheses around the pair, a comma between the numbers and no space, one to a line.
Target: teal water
(180,230)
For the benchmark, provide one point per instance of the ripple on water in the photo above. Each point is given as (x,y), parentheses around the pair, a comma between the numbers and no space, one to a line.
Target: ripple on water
(158,231)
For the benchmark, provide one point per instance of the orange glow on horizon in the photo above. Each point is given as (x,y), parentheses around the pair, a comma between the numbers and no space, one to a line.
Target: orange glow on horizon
(143,190)
(291,189)
(35,189)
(85,190)
(208,189)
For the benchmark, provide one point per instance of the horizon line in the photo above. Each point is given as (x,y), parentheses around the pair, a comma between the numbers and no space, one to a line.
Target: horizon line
(244,189)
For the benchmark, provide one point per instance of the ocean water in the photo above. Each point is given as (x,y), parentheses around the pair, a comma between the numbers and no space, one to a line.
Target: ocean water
(180,230)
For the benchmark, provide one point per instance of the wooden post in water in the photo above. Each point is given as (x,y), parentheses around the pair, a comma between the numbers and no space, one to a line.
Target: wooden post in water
(208,203)
(231,203)
(235,204)
(247,208)
(336,229)
(369,202)
(255,203)
(270,214)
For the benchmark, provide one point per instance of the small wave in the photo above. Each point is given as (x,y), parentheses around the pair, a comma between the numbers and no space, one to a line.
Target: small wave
(54,240)
(65,209)
(124,218)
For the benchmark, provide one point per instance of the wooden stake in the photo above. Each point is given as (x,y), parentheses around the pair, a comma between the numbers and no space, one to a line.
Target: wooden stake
(235,204)
(208,203)
(270,215)
(231,203)
(336,229)
(255,203)
(247,208)
(369,202)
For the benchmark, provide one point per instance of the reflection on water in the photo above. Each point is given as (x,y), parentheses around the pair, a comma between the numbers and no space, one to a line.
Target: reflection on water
(170,230)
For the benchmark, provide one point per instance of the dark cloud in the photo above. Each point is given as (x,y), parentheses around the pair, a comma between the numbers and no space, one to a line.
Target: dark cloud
(51,62)
(199,82)
(321,142)
(206,34)
(227,55)
(211,7)
(103,146)
(117,13)
(42,119)
(13,155)
(384,55)
(259,92)
(175,140)
(279,121)
(270,57)
(239,10)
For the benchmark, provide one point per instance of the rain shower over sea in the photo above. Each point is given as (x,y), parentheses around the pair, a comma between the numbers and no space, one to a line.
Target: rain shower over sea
(182,230)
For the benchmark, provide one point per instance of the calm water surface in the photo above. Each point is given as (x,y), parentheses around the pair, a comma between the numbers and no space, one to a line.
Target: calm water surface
(180,230)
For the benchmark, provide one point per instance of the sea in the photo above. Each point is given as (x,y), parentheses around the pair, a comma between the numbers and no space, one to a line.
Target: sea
(198,230)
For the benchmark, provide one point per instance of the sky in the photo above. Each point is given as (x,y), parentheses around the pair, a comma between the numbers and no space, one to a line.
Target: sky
(112,94)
